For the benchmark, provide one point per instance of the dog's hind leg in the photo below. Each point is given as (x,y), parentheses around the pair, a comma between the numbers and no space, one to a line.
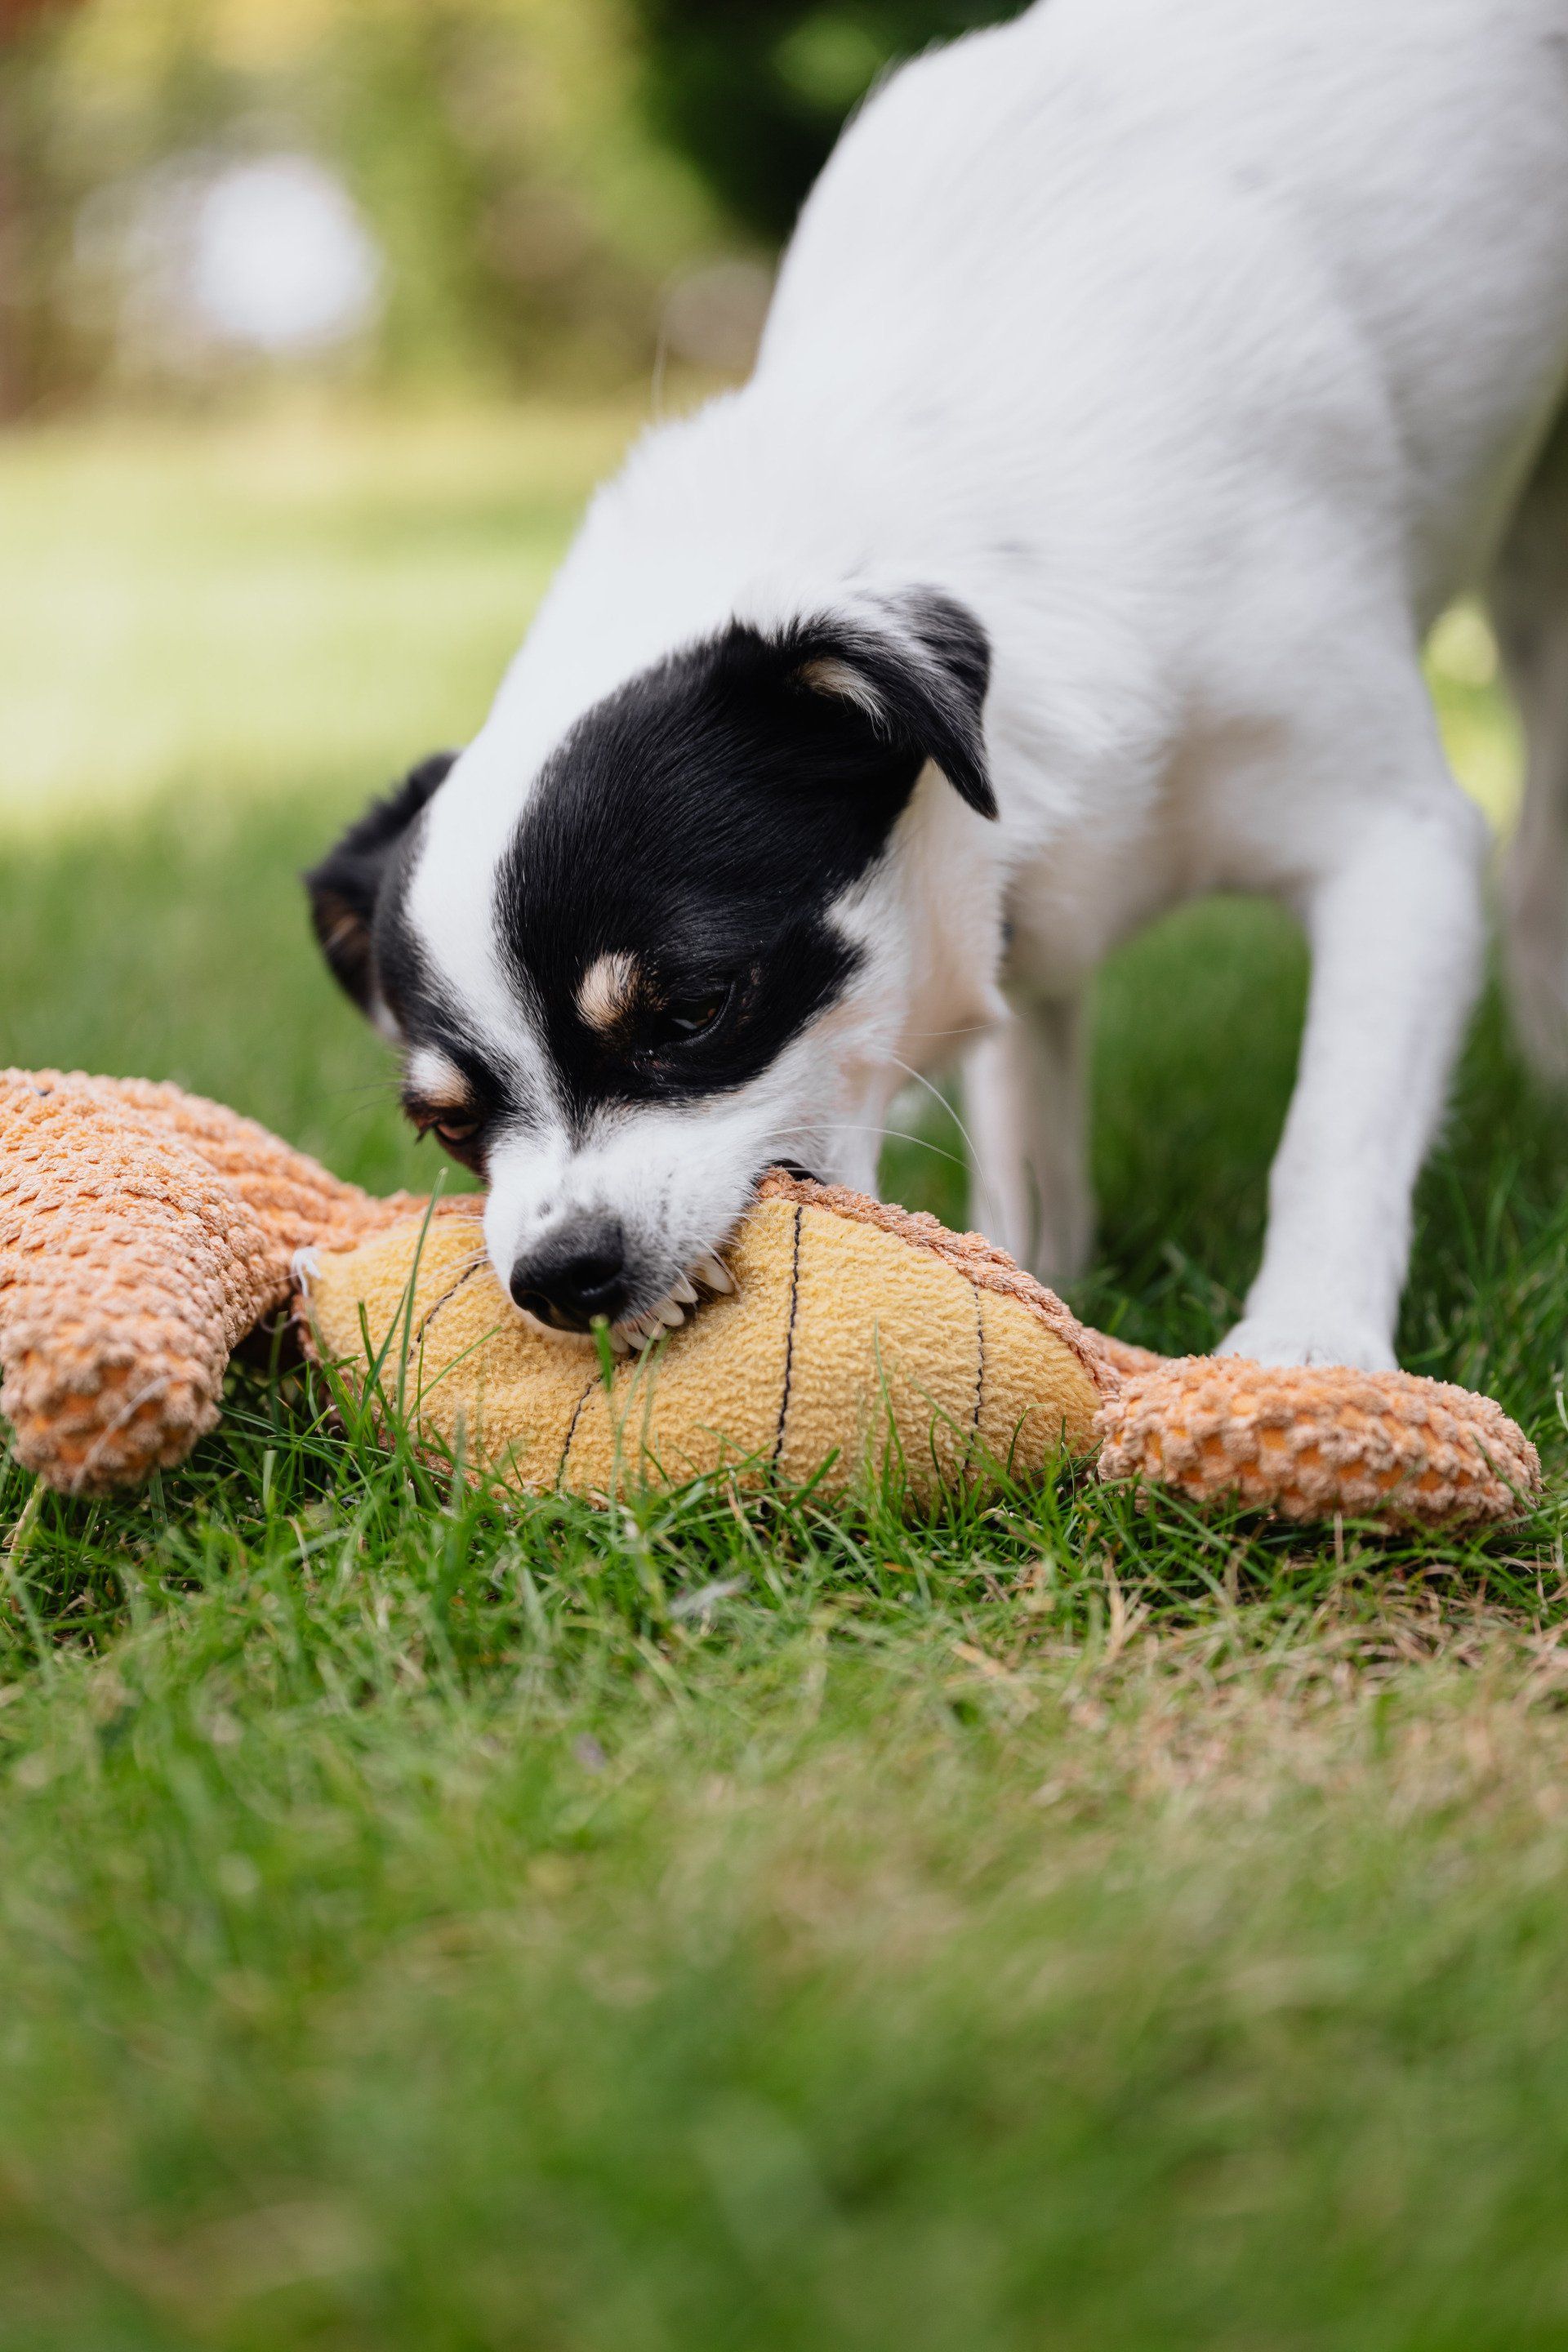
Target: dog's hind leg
(1530,608)
(1024,1094)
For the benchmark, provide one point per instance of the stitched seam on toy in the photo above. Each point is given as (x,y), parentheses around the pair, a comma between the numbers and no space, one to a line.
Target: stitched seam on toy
(789,1334)
(446,1298)
(572,1425)
(979,1374)
(984,1265)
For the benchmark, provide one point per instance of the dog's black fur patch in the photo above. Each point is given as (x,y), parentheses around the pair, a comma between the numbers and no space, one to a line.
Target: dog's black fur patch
(700,822)
(344,887)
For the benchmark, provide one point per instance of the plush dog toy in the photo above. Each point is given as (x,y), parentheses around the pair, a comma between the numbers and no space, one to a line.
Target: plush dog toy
(143,1232)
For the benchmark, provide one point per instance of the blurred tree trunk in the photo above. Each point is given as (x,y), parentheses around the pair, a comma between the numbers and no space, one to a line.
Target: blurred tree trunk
(13,395)
(22,23)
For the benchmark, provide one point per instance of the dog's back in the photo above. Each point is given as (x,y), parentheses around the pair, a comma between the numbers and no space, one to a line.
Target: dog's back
(1266,213)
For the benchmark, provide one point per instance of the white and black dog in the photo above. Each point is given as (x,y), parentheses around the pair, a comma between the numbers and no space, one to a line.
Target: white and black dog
(1144,376)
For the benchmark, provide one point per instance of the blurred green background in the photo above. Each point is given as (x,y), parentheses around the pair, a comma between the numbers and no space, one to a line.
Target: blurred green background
(530,185)
(318,319)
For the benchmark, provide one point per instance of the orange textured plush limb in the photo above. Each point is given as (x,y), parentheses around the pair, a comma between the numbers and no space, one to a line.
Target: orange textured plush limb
(143,1232)
(1309,1442)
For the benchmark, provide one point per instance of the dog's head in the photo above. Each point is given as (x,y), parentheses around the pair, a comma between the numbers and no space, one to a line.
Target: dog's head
(673,952)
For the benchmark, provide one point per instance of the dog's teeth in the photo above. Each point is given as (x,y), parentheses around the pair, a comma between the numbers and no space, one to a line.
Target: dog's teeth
(638,1330)
(684,1289)
(716,1276)
(619,1343)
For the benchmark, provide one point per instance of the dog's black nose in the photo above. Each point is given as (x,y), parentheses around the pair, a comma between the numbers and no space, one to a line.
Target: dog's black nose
(575,1277)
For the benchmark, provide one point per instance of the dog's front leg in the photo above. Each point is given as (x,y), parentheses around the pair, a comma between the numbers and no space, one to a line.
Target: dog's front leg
(1024,1095)
(1396,931)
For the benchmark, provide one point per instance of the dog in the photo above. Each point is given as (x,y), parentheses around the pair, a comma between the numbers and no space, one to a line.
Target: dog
(1141,381)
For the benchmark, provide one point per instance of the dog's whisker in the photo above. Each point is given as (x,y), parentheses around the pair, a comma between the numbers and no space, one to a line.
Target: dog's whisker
(937,1096)
(869,1126)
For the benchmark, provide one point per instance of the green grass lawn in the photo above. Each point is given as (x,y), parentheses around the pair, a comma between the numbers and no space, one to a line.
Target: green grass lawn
(699,1928)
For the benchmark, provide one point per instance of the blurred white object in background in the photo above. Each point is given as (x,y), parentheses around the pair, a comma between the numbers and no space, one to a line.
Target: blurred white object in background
(207,260)
(280,260)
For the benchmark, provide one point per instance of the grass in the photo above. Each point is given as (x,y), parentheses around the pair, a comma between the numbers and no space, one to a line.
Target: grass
(705,1926)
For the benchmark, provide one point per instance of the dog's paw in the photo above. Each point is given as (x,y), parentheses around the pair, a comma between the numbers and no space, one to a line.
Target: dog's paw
(1323,1339)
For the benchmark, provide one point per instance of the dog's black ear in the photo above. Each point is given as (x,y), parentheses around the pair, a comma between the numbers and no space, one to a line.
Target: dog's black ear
(344,887)
(920,682)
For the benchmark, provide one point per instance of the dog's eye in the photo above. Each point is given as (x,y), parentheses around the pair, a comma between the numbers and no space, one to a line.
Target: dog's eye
(690,1015)
(456,1133)
(685,1017)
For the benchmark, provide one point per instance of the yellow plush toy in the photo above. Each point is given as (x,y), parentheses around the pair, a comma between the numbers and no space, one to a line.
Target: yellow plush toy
(143,1232)
(852,1327)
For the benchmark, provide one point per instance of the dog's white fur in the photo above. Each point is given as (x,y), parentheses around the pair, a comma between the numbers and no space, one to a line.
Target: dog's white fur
(1203,348)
